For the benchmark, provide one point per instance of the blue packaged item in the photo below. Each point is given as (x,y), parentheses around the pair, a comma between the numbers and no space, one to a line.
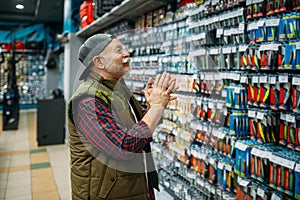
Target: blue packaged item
(297,182)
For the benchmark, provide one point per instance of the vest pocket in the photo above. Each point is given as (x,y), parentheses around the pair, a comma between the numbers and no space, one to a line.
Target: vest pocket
(107,183)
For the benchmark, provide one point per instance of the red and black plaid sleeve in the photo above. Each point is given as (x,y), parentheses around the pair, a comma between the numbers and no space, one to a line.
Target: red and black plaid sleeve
(94,119)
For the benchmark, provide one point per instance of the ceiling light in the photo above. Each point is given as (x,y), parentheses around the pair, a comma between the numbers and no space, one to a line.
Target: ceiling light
(20,6)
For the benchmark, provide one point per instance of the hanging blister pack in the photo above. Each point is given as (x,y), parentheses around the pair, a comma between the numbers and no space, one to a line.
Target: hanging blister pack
(229,57)
(297,56)
(296,94)
(272,25)
(255,58)
(244,58)
(214,58)
(290,56)
(274,92)
(253,91)
(260,35)
(284,91)
(264,91)
(251,31)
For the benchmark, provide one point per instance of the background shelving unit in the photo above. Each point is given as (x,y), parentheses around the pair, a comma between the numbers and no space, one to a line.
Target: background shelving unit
(30,76)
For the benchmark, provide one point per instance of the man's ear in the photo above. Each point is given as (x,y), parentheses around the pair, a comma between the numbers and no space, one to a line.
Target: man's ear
(98,62)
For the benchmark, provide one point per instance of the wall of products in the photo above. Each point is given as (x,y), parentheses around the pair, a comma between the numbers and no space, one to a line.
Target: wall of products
(233,132)
(30,77)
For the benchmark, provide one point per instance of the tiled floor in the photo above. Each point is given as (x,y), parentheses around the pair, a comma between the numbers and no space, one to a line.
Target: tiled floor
(29,172)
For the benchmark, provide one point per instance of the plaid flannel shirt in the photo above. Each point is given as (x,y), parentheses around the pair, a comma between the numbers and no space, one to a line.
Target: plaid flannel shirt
(97,122)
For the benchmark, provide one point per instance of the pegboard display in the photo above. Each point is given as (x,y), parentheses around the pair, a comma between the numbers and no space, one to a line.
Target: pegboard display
(234,130)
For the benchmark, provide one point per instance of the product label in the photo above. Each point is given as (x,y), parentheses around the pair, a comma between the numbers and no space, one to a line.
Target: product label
(254,79)
(297,168)
(263,79)
(243,79)
(283,78)
(243,48)
(275,197)
(273,80)
(220,165)
(290,118)
(260,192)
(241,146)
(283,116)
(243,182)
(296,81)
(260,115)
(298,45)
(228,167)
(272,22)
(252,113)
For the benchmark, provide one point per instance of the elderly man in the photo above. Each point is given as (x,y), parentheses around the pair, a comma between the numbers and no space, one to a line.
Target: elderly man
(109,132)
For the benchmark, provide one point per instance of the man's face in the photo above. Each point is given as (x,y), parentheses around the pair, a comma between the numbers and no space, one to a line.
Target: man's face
(113,56)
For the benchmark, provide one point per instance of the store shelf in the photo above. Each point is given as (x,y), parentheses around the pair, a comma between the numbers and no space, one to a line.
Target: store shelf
(128,9)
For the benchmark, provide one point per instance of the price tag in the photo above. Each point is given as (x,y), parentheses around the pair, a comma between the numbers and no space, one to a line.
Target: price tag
(297,168)
(220,105)
(241,27)
(243,182)
(200,182)
(243,79)
(220,165)
(227,32)
(263,79)
(214,51)
(252,113)
(260,115)
(191,175)
(233,49)
(275,197)
(297,45)
(226,50)
(283,78)
(211,104)
(283,116)
(223,93)
(213,190)
(228,167)
(237,77)
(273,80)
(243,48)
(219,32)
(260,23)
(202,36)
(211,161)
(290,118)
(287,163)
(272,22)
(296,81)
(217,77)
(241,146)
(177,164)
(256,152)
(254,79)
(221,135)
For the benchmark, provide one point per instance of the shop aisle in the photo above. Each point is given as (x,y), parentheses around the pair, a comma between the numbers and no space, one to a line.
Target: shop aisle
(29,172)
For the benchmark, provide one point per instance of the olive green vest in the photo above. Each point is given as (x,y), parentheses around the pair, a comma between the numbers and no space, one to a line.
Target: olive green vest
(94,175)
